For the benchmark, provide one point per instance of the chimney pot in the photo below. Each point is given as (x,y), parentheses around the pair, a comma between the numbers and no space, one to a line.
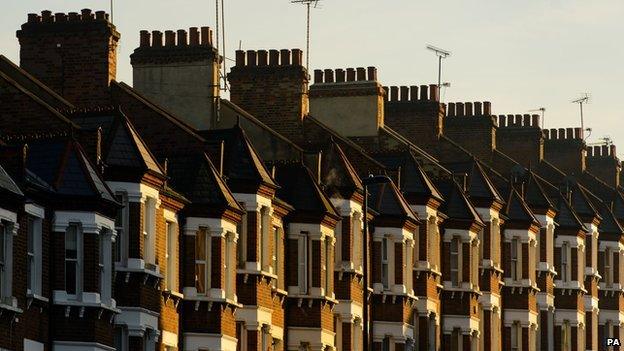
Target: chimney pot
(518,121)
(350,74)
(468,107)
(546,133)
(578,133)
(460,112)
(60,17)
(206,36)
(318,76)
(169,38)
(394,93)
(404,93)
(263,57)
(526,120)
(372,73)
(86,15)
(33,18)
(74,16)
(240,58)
(535,121)
(569,133)
(562,133)
(144,38)
(285,56)
(361,73)
(450,109)
(182,38)
(414,93)
(595,150)
(100,15)
(605,150)
(434,92)
(252,59)
(46,16)
(612,151)
(157,38)
(424,92)
(487,108)
(274,56)
(297,57)
(478,108)
(554,134)
(502,121)
(329,76)
(340,75)
(194,36)
(386,93)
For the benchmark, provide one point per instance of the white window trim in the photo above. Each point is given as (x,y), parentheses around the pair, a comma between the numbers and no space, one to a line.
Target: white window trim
(241,257)
(10,231)
(149,229)
(36,214)
(172,236)
(106,280)
(385,263)
(303,263)
(458,257)
(79,261)
(124,229)
(230,266)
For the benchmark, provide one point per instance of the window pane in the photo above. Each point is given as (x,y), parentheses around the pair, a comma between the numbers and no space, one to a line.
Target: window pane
(71,244)
(200,278)
(200,245)
(70,277)
(2,244)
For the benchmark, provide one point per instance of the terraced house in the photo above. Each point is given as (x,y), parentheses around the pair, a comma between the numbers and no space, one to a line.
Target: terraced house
(162,216)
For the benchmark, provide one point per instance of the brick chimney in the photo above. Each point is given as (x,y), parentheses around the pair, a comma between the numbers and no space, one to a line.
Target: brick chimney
(349,101)
(74,54)
(602,161)
(415,112)
(565,148)
(472,126)
(182,75)
(520,137)
(273,86)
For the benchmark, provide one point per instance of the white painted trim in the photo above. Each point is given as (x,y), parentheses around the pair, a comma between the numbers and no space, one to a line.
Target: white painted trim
(465,323)
(31,345)
(253,202)
(137,192)
(9,216)
(206,341)
(169,338)
(574,316)
(90,222)
(137,320)
(525,317)
(399,331)
(80,346)
(36,211)
(348,310)
(317,338)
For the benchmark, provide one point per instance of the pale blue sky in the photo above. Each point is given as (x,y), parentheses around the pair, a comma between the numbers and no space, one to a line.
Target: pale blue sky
(519,54)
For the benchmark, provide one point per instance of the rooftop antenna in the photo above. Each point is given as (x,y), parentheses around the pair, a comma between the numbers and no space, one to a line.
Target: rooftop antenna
(442,54)
(111,11)
(308,3)
(584,99)
(220,19)
(542,111)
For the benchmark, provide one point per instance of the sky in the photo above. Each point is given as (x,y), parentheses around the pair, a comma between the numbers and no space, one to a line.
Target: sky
(519,54)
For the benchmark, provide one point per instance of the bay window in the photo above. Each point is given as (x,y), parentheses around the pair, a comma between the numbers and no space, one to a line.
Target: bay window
(608,264)
(149,231)
(329,271)
(121,227)
(516,336)
(516,257)
(277,258)
(264,228)
(73,248)
(356,229)
(5,255)
(384,263)
(455,260)
(230,265)
(34,255)
(241,245)
(202,262)
(171,257)
(303,262)
(565,266)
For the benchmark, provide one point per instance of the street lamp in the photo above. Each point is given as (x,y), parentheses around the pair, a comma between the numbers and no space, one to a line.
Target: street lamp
(371,180)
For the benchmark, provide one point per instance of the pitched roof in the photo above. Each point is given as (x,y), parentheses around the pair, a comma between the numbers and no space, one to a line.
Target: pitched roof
(580,198)
(241,162)
(534,193)
(413,180)
(7,184)
(338,176)
(479,185)
(386,200)
(62,164)
(122,144)
(299,189)
(195,177)
(517,209)
(609,223)
(457,205)
(566,216)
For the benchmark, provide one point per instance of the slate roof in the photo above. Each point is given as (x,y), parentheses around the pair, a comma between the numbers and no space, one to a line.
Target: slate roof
(479,185)
(566,216)
(63,165)
(195,177)
(7,184)
(299,189)
(338,176)
(457,205)
(518,210)
(386,200)
(241,161)
(534,193)
(413,180)
(609,223)
(580,198)
(122,144)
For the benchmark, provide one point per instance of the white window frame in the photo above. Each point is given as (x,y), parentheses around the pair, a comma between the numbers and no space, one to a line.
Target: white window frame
(229,270)
(474,275)
(121,241)
(357,233)
(516,336)
(78,260)
(149,230)
(303,262)
(205,262)
(264,226)
(6,269)
(608,265)
(516,259)
(408,271)
(385,263)
(565,262)
(495,237)
(276,259)
(34,251)
(241,245)
(455,256)
(171,256)
(327,285)
(123,337)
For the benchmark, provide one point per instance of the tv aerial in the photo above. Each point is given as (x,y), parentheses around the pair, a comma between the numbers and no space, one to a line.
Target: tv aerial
(584,99)
(309,4)
(542,111)
(442,54)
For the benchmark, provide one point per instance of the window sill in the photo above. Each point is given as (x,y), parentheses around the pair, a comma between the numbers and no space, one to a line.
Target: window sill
(313,297)
(139,269)
(201,298)
(10,304)
(35,297)
(175,294)
(256,272)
